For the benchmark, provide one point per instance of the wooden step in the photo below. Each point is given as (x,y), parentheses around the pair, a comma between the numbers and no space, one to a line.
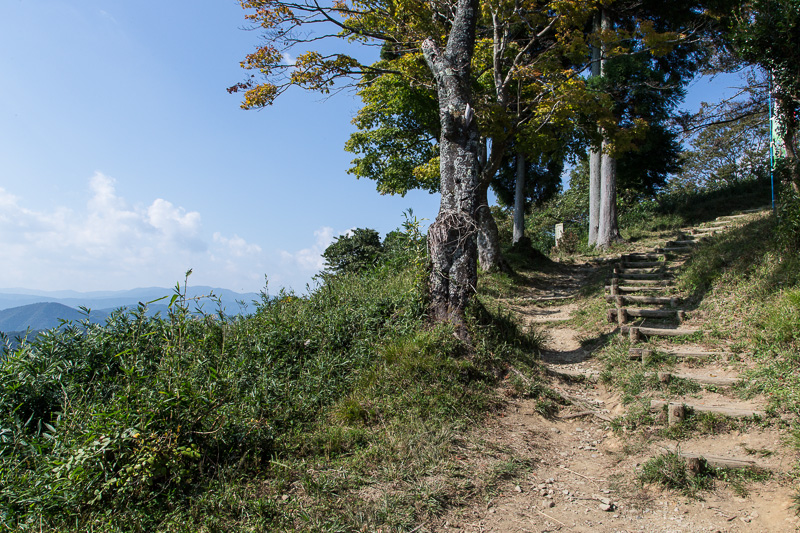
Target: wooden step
(642,256)
(621,315)
(631,270)
(654,300)
(682,242)
(634,288)
(642,264)
(635,333)
(704,232)
(645,353)
(636,281)
(734,217)
(733,412)
(676,249)
(703,380)
(635,276)
(695,460)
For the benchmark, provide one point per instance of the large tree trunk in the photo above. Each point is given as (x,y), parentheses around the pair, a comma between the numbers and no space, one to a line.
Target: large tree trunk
(452,236)
(607,227)
(594,156)
(594,195)
(490,258)
(608,230)
(519,200)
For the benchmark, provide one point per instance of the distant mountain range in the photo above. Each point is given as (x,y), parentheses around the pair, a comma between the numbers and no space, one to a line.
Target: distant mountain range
(21,309)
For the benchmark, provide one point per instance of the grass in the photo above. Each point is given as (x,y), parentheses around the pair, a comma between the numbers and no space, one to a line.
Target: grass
(341,410)
(344,409)
(671,471)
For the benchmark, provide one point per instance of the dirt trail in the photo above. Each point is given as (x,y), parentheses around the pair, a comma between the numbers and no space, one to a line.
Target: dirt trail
(583,475)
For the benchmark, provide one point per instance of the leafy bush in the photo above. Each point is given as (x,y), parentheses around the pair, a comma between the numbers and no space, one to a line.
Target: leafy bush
(356,251)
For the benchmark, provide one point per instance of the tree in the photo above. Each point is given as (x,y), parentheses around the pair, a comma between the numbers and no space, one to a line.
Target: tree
(648,52)
(767,33)
(523,81)
(356,251)
(445,34)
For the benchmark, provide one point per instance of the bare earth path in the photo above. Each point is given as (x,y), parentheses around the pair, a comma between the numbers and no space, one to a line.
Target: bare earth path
(582,475)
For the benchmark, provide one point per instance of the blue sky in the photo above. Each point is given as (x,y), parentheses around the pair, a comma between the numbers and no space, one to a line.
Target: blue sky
(124,162)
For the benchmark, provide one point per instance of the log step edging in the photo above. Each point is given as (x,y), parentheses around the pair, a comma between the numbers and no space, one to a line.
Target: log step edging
(636,281)
(620,315)
(643,264)
(695,460)
(645,353)
(634,276)
(632,288)
(635,332)
(655,300)
(702,380)
(676,249)
(733,412)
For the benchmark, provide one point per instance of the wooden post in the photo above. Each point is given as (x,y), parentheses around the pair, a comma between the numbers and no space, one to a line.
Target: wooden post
(681,315)
(646,354)
(635,336)
(622,315)
(619,301)
(676,412)
(614,286)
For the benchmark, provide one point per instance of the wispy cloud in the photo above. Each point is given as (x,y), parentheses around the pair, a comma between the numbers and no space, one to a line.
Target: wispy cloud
(287,59)
(108,16)
(310,260)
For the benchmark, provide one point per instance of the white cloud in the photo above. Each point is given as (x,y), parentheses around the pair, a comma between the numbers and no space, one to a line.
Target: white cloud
(112,245)
(287,59)
(310,260)
(236,246)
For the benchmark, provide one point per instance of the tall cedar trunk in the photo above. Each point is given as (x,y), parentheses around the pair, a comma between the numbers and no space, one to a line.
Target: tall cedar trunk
(519,200)
(608,230)
(490,258)
(594,156)
(607,227)
(594,195)
(452,236)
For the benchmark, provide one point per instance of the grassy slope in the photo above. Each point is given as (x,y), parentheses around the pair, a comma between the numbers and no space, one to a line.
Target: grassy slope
(339,411)
(344,410)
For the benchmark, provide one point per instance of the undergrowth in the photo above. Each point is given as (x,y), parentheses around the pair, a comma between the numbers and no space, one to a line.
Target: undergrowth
(338,410)
(671,471)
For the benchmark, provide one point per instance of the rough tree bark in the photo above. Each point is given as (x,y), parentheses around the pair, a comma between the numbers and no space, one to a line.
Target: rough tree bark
(519,200)
(452,236)
(490,257)
(608,230)
(594,156)
(607,227)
